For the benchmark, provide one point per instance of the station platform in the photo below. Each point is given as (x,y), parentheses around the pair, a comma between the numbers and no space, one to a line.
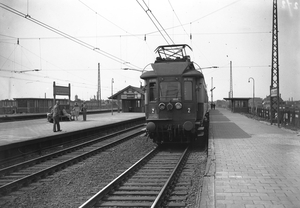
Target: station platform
(20,131)
(250,164)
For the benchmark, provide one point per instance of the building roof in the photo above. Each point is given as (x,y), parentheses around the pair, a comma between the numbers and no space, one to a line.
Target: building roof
(40,98)
(237,98)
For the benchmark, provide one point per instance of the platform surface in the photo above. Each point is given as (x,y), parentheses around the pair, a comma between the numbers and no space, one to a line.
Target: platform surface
(17,131)
(252,164)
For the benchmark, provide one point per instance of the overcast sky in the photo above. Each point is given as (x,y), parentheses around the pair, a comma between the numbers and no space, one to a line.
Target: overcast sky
(119,34)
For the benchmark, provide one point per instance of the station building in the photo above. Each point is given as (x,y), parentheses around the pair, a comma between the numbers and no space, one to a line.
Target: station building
(132,99)
(238,105)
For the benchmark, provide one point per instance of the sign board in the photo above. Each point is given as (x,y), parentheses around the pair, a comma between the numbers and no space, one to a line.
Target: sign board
(131,96)
(60,90)
(274,92)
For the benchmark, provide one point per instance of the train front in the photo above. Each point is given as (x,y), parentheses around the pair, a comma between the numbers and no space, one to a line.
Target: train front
(176,98)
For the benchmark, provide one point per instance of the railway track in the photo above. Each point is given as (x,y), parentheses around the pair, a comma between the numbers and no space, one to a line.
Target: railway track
(22,174)
(150,182)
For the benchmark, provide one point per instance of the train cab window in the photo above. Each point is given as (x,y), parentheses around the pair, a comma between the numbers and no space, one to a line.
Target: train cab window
(152,90)
(170,91)
(188,90)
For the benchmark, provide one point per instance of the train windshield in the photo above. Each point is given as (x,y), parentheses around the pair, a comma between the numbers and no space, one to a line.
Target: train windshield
(170,91)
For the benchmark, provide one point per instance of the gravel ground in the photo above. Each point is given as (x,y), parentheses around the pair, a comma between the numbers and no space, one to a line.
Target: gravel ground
(198,161)
(76,184)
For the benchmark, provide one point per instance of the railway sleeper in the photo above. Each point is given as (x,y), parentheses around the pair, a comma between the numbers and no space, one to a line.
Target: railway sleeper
(122,204)
(139,193)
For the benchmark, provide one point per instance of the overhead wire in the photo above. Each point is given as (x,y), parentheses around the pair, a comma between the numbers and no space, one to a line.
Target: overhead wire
(41,59)
(46,76)
(213,12)
(177,17)
(97,13)
(150,33)
(66,36)
(78,84)
(80,42)
(147,9)
(8,36)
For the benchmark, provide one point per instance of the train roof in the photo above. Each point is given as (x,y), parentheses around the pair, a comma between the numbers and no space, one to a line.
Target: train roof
(172,69)
(169,53)
(172,60)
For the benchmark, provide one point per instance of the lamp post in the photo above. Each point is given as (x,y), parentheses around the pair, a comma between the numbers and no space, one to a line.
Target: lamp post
(112,86)
(253,92)
(208,67)
(139,70)
(27,71)
(212,97)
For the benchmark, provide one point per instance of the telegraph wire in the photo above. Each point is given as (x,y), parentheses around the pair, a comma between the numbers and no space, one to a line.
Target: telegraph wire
(80,42)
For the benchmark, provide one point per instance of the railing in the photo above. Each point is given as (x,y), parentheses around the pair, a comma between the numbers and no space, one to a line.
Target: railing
(288,117)
(7,110)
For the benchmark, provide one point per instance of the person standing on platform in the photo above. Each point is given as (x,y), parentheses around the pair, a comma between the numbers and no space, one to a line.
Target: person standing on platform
(56,112)
(76,110)
(84,109)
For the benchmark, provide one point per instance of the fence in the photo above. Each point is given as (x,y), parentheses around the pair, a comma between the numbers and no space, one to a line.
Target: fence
(39,105)
(8,107)
(288,117)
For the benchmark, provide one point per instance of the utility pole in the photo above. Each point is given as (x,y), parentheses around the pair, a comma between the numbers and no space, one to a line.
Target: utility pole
(211,92)
(231,81)
(211,89)
(274,88)
(99,88)
(112,88)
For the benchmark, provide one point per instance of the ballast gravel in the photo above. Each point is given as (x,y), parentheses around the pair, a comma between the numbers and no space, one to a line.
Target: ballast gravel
(74,185)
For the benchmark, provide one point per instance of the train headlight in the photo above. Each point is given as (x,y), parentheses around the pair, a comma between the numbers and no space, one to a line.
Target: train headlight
(162,106)
(178,106)
(169,106)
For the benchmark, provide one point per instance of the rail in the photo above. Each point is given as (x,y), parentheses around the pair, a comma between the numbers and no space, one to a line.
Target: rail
(61,158)
(142,197)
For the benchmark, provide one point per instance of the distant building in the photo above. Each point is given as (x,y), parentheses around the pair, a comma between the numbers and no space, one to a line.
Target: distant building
(238,105)
(8,106)
(221,103)
(266,102)
(257,102)
(132,99)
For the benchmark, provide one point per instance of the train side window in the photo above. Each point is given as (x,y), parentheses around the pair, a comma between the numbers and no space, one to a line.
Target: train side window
(188,90)
(152,91)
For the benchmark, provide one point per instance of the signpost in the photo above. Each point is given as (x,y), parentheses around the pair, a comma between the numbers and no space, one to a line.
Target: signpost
(61,90)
